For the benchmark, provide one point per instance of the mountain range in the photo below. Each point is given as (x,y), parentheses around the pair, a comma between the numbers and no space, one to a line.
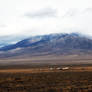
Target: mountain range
(52,44)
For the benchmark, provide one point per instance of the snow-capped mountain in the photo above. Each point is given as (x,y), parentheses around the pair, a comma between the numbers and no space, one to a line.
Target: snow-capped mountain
(49,44)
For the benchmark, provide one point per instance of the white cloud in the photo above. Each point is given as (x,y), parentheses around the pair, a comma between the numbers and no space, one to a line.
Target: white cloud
(45,16)
(47,12)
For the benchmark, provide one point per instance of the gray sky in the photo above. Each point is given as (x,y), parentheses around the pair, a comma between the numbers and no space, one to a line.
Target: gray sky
(35,17)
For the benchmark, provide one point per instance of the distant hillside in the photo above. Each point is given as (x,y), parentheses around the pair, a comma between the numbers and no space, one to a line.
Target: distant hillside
(53,44)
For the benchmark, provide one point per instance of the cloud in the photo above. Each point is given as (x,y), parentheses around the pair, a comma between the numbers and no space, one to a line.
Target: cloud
(71,12)
(88,9)
(11,39)
(34,17)
(3,25)
(46,12)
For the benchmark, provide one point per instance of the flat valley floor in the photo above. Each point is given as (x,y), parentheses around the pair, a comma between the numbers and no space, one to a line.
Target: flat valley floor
(47,79)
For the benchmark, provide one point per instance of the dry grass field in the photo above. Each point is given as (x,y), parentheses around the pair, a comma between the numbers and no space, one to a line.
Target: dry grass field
(48,69)
(45,79)
(45,74)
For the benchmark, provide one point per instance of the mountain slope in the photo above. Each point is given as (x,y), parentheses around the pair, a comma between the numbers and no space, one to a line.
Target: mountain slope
(53,44)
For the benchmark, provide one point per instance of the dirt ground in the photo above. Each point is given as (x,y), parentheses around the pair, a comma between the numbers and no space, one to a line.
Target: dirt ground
(47,79)
(48,69)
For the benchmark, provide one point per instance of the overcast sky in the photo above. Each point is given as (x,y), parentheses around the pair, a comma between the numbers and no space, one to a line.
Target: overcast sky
(35,17)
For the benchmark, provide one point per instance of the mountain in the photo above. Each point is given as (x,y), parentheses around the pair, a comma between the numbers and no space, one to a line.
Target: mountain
(52,44)
(9,39)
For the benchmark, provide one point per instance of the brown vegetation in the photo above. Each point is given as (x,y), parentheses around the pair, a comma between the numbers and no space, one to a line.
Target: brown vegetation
(46,81)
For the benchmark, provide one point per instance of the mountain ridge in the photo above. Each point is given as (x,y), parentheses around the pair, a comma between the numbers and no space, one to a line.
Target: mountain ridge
(57,44)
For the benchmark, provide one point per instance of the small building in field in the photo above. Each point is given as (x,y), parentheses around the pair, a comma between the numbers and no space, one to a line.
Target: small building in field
(51,68)
(59,68)
(65,68)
